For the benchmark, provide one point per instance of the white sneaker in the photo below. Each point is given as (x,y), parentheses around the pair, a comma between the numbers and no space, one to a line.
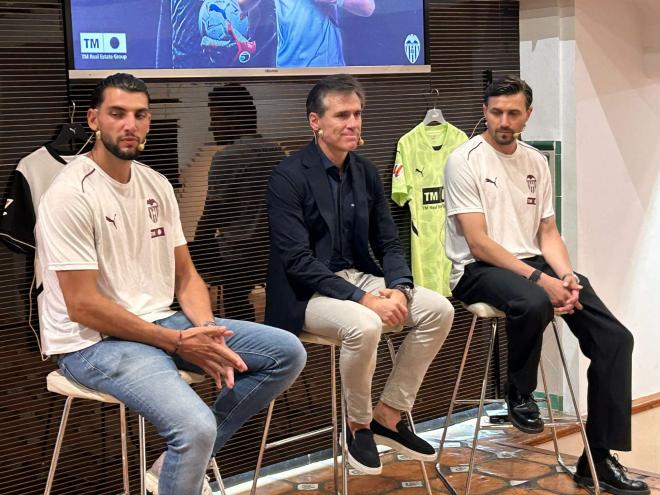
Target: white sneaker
(151,482)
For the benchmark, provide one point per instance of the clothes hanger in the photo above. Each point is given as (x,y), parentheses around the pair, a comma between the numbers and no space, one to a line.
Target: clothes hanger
(434,115)
(69,134)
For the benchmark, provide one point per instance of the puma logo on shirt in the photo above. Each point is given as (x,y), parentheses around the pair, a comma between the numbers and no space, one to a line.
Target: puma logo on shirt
(491,181)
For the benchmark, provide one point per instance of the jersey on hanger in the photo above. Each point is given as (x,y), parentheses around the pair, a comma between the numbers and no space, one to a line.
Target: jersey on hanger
(33,174)
(418,179)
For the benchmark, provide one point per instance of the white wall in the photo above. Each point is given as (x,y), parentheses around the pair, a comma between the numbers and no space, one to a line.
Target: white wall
(547,59)
(594,66)
(618,173)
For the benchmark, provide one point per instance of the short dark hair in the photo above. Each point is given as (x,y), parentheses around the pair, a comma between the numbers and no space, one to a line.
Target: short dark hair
(338,83)
(506,86)
(125,82)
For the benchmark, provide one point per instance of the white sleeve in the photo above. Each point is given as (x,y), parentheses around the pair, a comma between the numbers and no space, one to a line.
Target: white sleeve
(179,237)
(548,198)
(461,192)
(66,232)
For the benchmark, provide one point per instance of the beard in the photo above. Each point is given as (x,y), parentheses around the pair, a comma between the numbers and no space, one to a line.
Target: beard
(122,154)
(503,139)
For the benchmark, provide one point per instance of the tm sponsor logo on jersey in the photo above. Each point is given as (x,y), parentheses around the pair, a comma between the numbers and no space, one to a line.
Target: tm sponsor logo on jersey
(412,47)
(103,46)
(433,195)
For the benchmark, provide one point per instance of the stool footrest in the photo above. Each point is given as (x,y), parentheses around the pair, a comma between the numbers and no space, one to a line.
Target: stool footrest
(476,401)
(302,436)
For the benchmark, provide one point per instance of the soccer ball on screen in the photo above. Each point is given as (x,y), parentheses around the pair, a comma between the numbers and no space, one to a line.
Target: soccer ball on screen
(217,20)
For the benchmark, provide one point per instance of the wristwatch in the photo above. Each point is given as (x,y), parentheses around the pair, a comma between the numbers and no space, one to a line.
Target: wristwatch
(407,289)
(535,276)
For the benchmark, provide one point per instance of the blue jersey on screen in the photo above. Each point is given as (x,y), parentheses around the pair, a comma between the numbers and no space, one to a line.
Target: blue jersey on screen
(186,38)
(307,34)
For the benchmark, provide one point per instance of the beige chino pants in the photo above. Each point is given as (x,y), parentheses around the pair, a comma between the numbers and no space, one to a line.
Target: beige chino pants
(430,316)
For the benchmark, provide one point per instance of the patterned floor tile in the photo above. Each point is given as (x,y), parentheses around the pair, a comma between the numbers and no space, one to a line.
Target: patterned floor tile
(514,469)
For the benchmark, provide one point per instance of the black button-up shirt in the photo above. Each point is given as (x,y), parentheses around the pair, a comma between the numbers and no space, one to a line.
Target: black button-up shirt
(341,188)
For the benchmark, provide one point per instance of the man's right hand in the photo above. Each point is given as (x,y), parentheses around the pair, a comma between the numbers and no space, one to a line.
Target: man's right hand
(561,298)
(391,311)
(206,347)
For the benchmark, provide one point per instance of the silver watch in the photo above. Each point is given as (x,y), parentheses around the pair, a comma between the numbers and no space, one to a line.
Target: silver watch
(407,290)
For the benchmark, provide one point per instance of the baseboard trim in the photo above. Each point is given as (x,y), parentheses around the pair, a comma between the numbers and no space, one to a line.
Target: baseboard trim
(639,405)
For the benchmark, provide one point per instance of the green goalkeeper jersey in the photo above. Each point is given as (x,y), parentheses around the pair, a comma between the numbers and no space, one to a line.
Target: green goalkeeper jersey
(418,179)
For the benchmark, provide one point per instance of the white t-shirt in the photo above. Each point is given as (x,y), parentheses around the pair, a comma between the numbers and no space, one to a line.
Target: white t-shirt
(514,192)
(128,232)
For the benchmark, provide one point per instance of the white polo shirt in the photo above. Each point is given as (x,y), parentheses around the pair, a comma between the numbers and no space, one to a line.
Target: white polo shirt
(127,232)
(514,192)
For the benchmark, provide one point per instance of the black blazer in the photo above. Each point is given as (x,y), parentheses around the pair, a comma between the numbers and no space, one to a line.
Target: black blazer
(300,213)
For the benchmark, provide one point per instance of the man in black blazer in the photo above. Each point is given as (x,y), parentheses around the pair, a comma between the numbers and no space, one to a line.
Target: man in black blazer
(327,209)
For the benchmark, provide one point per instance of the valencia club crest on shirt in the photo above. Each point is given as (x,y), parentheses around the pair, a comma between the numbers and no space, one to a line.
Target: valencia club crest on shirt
(152,207)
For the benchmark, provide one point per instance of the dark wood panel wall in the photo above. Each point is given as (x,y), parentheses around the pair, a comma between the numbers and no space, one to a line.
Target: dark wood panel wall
(465,38)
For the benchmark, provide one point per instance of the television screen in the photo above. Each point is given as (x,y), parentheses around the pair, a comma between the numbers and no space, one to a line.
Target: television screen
(209,34)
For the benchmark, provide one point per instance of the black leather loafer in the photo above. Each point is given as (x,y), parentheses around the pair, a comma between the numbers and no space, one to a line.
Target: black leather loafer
(611,477)
(524,412)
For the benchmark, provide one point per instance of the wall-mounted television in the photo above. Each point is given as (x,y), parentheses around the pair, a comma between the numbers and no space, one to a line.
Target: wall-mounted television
(206,38)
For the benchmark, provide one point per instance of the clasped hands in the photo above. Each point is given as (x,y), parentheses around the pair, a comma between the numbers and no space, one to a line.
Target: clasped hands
(206,348)
(564,294)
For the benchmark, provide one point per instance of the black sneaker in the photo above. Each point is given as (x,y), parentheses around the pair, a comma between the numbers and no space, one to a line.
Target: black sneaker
(362,451)
(523,411)
(611,477)
(404,441)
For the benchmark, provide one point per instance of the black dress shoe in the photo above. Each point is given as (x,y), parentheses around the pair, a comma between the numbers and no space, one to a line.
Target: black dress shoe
(362,451)
(524,412)
(611,477)
(404,441)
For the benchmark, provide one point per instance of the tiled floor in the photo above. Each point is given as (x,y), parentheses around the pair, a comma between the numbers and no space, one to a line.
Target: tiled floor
(503,467)
(646,442)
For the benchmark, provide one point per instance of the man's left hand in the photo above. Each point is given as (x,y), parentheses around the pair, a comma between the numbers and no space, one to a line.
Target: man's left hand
(398,297)
(570,282)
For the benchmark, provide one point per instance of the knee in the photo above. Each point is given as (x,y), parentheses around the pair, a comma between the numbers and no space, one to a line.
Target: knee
(364,332)
(436,310)
(624,340)
(294,355)
(198,432)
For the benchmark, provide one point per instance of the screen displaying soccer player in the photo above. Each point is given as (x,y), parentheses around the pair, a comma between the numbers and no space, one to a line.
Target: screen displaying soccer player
(178,34)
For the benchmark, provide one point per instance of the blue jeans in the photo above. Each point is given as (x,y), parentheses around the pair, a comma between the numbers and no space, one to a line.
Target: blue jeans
(146,379)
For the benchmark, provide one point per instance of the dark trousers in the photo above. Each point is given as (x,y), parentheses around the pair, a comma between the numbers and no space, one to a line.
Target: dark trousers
(603,339)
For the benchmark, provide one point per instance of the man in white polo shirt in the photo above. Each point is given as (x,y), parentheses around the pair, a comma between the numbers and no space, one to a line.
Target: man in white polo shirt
(506,251)
(114,255)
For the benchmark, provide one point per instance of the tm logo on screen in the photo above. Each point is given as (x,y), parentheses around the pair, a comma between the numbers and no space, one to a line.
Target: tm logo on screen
(412,46)
(103,45)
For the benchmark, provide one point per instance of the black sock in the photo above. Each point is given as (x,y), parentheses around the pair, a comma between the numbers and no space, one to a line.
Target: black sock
(599,454)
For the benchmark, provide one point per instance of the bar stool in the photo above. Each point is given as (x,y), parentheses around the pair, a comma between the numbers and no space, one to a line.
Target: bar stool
(483,310)
(309,338)
(58,383)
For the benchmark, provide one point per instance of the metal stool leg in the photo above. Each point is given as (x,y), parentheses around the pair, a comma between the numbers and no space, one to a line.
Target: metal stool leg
(335,426)
(218,477)
(551,415)
(482,398)
(453,401)
(585,441)
(58,445)
(143,455)
(344,447)
(124,448)
(262,449)
(427,484)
